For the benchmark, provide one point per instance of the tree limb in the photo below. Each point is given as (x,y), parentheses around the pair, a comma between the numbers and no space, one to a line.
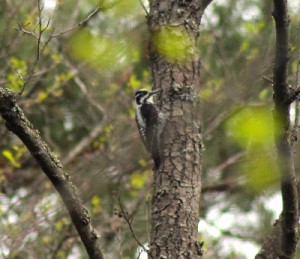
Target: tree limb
(287,242)
(19,125)
(270,248)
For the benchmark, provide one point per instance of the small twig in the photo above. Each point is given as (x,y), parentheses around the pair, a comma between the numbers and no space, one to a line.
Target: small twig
(40,30)
(39,50)
(228,162)
(297,87)
(129,223)
(85,142)
(45,43)
(140,253)
(83,22)
(98,128)
(144,7)
(30,33)
(227,185)
(268,79)
(294,95)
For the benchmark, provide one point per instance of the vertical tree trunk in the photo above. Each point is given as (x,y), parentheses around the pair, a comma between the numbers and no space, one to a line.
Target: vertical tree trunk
(177,182)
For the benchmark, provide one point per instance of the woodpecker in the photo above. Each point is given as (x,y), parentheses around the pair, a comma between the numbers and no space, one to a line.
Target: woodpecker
(150,122)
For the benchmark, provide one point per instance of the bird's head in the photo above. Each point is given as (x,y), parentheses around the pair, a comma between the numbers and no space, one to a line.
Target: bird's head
(144,96)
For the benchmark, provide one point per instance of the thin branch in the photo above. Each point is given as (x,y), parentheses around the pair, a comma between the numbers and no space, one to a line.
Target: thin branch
(228,162)
(85,142)
(60,245)
(83,87)
(19,125)
(268,79)
(129,223)
(40,31)
(297,88)
(39,43)
(144,7)
(82,23)
(230,184)
(287,242)
(30,33)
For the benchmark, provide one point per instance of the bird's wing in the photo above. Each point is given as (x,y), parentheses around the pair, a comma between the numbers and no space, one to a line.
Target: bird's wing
(149,112)
(151,140)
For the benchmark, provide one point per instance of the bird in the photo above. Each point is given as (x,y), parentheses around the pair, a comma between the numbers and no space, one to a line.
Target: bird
(149,121)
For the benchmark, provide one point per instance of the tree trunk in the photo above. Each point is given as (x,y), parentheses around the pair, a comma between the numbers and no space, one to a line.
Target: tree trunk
(177,182)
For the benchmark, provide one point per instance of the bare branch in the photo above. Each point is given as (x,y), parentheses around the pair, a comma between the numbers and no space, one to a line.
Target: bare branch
(228,183)
(287,242)
(228,162)
(30,33)
(268,79)
(39,43)
(297,88)
(85,142)
(270,248)
(40,33)
(82,23)
(144,7)
(129,223)
(18,124)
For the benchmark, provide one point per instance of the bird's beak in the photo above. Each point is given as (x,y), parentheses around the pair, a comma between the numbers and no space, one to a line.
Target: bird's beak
(155,92)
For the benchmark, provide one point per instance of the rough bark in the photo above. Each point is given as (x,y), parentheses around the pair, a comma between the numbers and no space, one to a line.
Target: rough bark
(288,222)
(19,125)
(177,182)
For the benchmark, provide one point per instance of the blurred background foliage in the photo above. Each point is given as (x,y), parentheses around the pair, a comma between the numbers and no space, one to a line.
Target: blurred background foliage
(78,92)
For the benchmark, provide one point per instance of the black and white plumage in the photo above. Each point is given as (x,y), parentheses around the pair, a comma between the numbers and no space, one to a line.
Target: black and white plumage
(148,119)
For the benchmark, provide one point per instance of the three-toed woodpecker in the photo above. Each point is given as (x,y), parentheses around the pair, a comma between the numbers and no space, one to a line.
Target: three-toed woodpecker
(149,122)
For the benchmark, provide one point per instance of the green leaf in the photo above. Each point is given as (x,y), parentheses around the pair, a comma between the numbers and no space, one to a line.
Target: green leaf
(42,96)
(143,162)
(252,125)
(260,168)
(134,82)
(138,179)
(95,201)
(10,157)
(59,225)
(99,52)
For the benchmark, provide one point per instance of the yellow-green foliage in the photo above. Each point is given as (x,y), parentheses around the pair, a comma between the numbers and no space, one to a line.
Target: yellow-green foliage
(99,52)
(252,126)
(14,155)
(120,8)
(18,71)
(253,130)
(138,180)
